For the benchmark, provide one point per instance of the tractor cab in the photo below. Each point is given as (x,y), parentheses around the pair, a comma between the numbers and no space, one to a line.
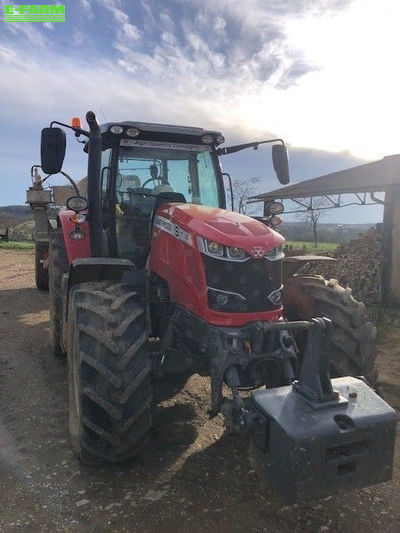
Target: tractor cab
(134,167)
(144,165)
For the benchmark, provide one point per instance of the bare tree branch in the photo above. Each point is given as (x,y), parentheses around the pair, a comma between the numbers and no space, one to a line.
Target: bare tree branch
(243,189)
(314,213)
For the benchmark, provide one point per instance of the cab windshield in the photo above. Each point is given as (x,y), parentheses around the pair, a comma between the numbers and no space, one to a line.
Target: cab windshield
(147,167)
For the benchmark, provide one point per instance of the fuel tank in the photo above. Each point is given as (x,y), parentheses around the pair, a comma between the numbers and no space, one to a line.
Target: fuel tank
(176,255)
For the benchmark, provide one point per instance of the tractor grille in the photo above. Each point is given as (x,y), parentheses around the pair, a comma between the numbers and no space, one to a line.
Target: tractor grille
(252,281)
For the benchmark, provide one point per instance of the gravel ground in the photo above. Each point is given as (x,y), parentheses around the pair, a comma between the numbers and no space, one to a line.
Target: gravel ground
(192,478)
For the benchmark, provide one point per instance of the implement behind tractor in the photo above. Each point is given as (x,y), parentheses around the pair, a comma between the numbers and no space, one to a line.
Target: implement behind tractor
(151,276)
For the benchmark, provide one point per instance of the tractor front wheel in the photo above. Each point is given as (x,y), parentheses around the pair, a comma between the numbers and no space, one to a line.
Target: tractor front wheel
(110,394)
(353,348)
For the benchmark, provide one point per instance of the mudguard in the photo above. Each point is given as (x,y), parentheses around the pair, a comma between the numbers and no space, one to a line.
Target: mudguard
(74,248)
(293,263)
(104,269)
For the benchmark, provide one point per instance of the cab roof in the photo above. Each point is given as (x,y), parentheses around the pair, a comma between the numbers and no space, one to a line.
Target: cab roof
(150,131)
(160,128)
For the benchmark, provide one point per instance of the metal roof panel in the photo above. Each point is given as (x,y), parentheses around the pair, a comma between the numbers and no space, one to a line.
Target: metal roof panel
(378,176)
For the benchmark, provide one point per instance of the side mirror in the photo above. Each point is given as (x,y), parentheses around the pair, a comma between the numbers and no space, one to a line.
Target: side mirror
(280,160)
(52,150)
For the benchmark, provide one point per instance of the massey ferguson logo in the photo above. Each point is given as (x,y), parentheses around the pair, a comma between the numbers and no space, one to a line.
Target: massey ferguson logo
(257,251)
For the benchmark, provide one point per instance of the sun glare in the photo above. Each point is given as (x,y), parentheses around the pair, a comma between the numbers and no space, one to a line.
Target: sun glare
(350,100)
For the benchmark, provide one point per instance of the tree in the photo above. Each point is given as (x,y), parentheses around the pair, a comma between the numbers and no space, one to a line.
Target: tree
(243,189)
(315,210)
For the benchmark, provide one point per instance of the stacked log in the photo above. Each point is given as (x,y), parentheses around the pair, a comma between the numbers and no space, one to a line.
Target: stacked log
(358,265)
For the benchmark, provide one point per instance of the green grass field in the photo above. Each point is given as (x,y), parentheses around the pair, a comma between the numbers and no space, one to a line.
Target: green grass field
(17,245)
(325,246)
(298,245)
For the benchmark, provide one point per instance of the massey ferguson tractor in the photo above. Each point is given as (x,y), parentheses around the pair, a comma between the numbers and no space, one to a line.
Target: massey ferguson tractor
(150,276)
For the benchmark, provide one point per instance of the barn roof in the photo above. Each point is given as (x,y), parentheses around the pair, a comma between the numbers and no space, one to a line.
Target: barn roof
(378,176)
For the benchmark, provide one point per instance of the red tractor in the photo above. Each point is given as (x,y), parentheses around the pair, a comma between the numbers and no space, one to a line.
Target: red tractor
(150,275)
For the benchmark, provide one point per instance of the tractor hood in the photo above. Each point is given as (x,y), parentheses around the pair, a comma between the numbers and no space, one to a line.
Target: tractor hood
(222,226)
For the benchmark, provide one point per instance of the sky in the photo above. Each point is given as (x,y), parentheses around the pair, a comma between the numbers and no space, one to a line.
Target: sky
(321,74)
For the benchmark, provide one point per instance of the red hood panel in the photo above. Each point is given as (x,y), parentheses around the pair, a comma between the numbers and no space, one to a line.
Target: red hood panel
(223,226)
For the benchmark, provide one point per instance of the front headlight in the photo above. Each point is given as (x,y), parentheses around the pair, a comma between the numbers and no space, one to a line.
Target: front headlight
(116,129)
(219,251)
(213,248)
(275,254)
(77,203)
(274,208)
(235,253)
(132,132)
(207,138)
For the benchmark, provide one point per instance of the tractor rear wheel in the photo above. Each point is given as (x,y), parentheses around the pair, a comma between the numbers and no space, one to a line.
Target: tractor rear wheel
(353,348)
(110,394)
(58,266)
(41,273)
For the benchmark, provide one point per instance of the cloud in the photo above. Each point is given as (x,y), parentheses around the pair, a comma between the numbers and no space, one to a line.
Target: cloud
(124,30)
(166,21)
(149,19)
(250,69)
(28,31)
(223,39)
(87,7)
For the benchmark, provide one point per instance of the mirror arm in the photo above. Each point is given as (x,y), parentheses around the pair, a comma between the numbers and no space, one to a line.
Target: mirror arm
(72,182)
(238,147)
(78,131)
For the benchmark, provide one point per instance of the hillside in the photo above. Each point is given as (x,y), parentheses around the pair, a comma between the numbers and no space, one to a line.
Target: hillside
(12,215)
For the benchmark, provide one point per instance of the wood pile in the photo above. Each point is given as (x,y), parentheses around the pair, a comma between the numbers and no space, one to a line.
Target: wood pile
(358,265)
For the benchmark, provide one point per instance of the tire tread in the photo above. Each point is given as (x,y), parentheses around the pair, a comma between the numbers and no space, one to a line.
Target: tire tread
(107,345)
(353,348)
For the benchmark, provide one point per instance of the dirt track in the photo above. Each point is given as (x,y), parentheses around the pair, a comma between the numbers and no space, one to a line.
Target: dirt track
(191,479)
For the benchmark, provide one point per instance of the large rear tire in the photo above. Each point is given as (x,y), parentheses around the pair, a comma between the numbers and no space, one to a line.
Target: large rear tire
(58,266)
(41,272)
(353,348)
(109,372)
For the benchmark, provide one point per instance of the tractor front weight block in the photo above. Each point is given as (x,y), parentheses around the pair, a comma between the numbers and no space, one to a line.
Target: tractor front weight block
(310,453)
(320,436)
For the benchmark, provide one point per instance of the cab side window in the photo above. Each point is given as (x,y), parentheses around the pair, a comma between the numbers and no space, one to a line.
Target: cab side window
(208,187)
